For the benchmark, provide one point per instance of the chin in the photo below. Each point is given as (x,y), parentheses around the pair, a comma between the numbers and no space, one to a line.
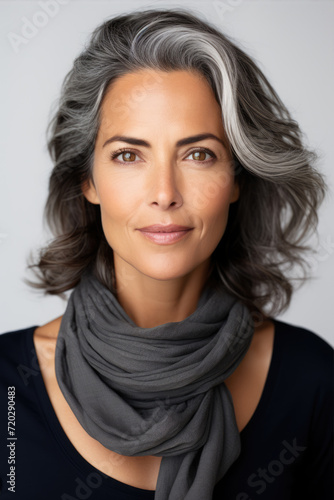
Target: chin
(164,275)
(167,272)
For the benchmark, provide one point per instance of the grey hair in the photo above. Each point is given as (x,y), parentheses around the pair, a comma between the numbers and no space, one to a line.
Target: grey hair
(280,190)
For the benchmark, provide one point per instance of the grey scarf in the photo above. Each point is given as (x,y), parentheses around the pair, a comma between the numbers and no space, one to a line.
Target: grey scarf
(156,391)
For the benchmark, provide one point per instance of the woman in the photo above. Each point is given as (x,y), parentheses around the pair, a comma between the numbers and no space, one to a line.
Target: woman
(180,197)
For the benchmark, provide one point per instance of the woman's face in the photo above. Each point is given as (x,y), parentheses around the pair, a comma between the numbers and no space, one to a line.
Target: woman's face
(161,173)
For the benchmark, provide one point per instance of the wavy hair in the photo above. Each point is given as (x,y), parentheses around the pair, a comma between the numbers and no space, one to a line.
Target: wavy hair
(280,190)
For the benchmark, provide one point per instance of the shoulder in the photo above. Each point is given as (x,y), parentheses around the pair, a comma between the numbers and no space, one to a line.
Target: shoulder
(9,340)
(16,358)
(307,342)
(23,350)
(303,353)
(48,330)
(14,338)
(17,345)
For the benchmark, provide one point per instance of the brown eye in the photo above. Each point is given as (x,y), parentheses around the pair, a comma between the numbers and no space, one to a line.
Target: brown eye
(202,155)
(199,155)
(124,156)
(128,156)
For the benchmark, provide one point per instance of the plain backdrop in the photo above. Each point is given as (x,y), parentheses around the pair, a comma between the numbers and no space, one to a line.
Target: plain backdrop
(293,43)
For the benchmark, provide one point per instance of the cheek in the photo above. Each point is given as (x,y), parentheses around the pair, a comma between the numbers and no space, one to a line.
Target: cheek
(118,198)
(211,199)
(217,217)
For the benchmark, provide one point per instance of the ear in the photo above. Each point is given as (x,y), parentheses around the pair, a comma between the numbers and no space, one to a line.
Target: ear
(89,192)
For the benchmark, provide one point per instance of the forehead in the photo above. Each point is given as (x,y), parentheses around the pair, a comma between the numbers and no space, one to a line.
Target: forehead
(147,95)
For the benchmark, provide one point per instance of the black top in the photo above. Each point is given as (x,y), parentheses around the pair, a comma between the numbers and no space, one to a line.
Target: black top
(286,446)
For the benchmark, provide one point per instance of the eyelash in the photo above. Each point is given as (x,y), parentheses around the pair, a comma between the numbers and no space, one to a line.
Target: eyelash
(127,150)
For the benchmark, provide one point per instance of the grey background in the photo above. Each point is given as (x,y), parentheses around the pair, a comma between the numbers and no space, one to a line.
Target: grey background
(293,43)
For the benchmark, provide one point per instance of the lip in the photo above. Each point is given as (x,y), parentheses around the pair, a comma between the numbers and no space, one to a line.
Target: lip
(160,228)
(165,235)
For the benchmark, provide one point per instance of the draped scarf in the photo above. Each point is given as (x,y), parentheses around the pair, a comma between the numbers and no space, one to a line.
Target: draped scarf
(156,391)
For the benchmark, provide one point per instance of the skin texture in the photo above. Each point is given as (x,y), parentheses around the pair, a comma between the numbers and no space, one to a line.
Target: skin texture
(156,284)
(163,184)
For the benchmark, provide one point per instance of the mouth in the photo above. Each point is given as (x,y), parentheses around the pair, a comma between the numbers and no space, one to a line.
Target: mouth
(164,235)
(160,228)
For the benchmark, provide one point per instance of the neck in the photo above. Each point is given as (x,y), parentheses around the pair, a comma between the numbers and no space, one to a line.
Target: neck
(151,302)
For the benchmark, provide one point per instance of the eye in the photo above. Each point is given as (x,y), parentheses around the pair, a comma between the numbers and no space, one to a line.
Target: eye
(128,155)
(200,155)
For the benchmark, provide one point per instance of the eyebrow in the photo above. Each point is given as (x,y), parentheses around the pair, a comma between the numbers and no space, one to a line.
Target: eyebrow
(181,142)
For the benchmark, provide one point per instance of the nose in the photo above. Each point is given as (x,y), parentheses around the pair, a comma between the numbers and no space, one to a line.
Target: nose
(164,182)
